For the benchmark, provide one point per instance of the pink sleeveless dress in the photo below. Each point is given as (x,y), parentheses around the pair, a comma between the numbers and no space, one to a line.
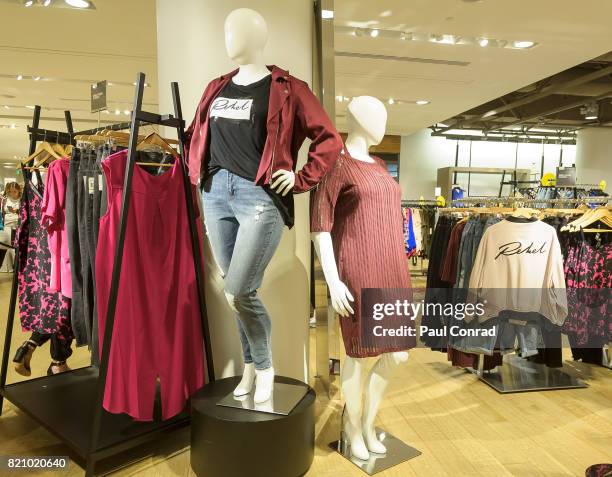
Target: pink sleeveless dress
(157,331)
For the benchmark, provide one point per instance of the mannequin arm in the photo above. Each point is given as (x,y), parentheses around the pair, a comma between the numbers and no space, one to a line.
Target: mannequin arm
(340,294)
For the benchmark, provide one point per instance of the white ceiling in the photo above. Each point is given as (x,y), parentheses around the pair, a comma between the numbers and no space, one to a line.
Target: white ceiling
(567,33)
(70,49)
(118,39)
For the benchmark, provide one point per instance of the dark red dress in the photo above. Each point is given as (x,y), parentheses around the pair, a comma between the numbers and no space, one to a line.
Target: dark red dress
(359,203)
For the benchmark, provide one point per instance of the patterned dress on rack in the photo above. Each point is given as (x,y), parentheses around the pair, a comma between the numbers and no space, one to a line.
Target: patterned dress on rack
(39,309)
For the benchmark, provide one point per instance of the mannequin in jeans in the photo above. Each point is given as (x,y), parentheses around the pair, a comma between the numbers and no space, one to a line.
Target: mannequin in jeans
(246,34)
(366,123)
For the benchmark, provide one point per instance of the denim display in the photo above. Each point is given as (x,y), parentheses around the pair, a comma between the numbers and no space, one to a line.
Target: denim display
(244,227)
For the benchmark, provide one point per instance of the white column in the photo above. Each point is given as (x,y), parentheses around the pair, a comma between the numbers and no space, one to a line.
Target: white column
(191,50)
(594,156)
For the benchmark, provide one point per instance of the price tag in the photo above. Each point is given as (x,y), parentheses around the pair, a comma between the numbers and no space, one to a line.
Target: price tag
(100,182)
(91,184)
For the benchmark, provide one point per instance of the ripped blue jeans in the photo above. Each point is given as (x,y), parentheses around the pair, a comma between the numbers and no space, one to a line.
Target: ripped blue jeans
(244,228)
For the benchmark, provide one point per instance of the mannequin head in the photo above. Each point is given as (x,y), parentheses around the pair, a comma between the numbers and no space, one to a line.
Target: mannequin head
(367,117)
(246,34)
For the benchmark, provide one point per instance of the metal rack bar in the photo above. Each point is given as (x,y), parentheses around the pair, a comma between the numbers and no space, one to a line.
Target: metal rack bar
(13,299)
(90,431)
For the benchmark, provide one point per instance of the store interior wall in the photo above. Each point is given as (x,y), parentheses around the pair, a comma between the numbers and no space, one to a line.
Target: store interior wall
(422,154)
(191,50)
(594,156)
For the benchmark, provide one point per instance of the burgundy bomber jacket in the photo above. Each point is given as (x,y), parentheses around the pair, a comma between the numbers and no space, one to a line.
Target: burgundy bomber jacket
(294,114)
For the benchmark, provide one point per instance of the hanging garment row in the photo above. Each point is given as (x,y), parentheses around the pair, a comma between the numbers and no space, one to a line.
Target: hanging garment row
(462,262)
(66,243)
(418,221)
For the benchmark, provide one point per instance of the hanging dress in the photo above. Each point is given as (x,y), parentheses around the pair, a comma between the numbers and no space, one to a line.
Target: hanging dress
(40,310)
(157,330)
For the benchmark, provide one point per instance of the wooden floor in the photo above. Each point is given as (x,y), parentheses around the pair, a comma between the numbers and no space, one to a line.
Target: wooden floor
(462,427)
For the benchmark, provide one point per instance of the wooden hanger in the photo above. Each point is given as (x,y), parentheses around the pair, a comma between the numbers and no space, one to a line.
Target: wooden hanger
(601,214)
(44,147)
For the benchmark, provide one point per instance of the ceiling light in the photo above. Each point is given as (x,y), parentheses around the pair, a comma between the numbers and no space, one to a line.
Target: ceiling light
(483,42)
(78,3)
(29,106)
(6,106)
(590,111)
(14,157)
(391,101)
(106,111)
(422,102)
(354,33)
(386,13)
(374,33)
(46,3)
(19,77)
(29,3)
(36,78)
(346,98)
(339,98)
(523,44)
(13,126)
(117,112)
(126,112)
(444,39)
(327,14)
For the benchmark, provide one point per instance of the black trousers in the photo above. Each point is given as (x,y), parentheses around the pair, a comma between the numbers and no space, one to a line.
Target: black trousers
(60,348)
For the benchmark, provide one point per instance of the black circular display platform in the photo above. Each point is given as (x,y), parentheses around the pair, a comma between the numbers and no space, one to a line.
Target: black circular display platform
(231,442)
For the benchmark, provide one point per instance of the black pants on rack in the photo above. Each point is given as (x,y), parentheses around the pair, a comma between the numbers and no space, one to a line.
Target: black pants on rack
(77,313)
(60,348)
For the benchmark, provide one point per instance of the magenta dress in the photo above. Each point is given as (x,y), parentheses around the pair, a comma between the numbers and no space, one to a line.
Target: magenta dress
(54,218)
(157,330)
(359,203)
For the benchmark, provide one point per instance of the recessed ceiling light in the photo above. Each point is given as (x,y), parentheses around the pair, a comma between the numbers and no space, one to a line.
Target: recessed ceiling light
(46,3)
(106,111)
(523,44)
(36,78)
(78,3)
(327,14)
(386,13)
(591,116)
(422,102)
(29,106)
(29,3)
(483,42)
(13,126)
(117,112)
(19,77)
(391,101)
(374,33)
(126,112)
(6,106)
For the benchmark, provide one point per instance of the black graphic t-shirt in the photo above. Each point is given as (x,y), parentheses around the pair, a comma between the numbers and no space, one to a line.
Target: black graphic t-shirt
(238,119)
(239,116)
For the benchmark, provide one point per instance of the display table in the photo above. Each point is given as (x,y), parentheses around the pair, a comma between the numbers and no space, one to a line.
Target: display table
(231,442)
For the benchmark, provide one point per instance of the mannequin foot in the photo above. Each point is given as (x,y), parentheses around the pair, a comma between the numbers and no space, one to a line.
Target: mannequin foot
(246,383)
(372,442)
(355,439)
(264,385)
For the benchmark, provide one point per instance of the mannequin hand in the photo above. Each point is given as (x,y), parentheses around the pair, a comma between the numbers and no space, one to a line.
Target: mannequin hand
(285,180)
(340,298)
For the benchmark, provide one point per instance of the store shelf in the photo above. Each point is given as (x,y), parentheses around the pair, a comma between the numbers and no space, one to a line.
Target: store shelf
(63,404)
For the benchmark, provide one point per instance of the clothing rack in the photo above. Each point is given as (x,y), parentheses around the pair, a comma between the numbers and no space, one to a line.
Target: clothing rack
(91,432)
(514,200)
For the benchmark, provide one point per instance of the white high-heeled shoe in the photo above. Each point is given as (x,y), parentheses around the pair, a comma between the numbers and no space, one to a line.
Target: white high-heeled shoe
(264,385)
(245,386)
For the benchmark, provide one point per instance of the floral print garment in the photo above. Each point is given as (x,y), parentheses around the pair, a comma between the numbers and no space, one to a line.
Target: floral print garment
(39,309)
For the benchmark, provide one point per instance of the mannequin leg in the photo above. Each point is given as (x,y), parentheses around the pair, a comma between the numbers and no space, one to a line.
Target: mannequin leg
(376,385)
(351,387)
